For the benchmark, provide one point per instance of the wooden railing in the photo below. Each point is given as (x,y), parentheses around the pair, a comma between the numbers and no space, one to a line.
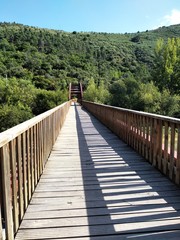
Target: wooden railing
(155,137)
(24,150)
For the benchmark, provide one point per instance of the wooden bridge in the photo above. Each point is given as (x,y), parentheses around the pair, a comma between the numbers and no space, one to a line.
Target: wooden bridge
(65,175)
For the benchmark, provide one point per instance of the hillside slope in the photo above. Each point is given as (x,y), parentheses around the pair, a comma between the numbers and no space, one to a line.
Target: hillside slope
(62,57)
(37,65)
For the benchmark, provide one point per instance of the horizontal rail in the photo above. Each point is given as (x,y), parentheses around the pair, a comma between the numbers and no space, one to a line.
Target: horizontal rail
(155,137)
(24,150)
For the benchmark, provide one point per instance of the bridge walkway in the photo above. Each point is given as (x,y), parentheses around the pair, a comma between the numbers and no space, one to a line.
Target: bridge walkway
(96,187)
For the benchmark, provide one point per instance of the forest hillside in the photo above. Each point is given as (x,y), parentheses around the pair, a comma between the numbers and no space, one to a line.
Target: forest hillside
(132,70)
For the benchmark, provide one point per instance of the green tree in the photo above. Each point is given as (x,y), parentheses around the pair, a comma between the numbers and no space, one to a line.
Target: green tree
(103,93)
(166,62)
(175,78)
(150,98)
(125,92)
(45,100)
(96,93)
(91,93)
(169,104)
(11,115)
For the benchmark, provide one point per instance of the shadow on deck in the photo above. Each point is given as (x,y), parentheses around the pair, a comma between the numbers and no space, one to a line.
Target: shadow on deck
(126,198)
(106,191)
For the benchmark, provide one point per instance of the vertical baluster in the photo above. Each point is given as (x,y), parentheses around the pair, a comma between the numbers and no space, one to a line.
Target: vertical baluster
(38,150)
(128,116)
(172,163)
(24,164)
(13,165)
(166,136)
(143,135)
(134,131)
(1,200)
(20,178)
(147,139)
(156,142)
(151,139)
(32,159)
(28,165)
(41,147)
(6,191)
(35,154)
(159,139)
(1,230)
(178,157)
(137,136)
(140,134)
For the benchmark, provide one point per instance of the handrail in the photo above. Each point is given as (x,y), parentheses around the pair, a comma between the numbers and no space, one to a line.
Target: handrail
(24,150)
(155,137)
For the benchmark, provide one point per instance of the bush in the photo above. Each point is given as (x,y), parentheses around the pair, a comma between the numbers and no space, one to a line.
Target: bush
(46,100)
(96,94)
(170,104)
(12,115)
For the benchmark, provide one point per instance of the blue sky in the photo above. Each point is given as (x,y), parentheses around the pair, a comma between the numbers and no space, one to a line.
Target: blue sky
(117,16)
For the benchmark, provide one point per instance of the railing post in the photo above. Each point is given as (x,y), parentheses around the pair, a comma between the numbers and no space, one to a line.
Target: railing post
(151,140)
(172,160)
(159,153)
(35,154)
(178,157)
(6,182)
(24,166)
(28,166)
(1,201)
(13,164)
(165,157)
(32,158)
(20,177)
(144,136)
(1,230)
(156,140)
(69,91)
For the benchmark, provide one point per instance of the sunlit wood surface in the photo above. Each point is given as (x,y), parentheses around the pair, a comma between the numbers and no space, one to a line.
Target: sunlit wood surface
(95,187)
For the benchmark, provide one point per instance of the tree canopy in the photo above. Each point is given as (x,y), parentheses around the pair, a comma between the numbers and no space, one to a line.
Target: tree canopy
(132,70)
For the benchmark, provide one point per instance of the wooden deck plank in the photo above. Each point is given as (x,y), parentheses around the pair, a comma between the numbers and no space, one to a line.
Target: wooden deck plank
(70,221)
(98,230)
(165,235)
(95,187)
(48,213)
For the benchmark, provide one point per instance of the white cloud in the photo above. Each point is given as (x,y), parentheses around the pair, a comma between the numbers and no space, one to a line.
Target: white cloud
(172,18)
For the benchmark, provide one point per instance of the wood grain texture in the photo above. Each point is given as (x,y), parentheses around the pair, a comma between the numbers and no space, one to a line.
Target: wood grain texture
(130,127)
(13,166)
(17,130)
(20,158)
(6,191)
(95,187)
